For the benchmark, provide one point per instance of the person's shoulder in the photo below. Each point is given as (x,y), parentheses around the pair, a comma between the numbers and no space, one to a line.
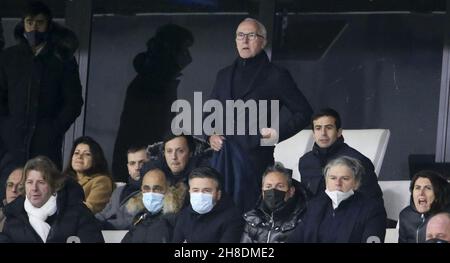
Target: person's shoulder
(252,217)
(279,70)
(352,152)
(118,190)
(225,70)
(101,178)
(14,208)
(318,199)
(12,51)
(406,211)
(306,156)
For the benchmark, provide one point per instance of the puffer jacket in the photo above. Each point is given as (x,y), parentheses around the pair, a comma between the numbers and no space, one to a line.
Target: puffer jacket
(265,227)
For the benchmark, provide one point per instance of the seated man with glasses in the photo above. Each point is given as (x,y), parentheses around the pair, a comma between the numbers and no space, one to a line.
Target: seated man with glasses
(125,201)
(253,77)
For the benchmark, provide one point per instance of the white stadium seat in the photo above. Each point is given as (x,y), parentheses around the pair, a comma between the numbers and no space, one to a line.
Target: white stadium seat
(391,235)
(113,236)
(396,196)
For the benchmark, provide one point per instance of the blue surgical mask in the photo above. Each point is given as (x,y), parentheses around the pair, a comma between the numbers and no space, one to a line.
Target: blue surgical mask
(201,203)
(153,202)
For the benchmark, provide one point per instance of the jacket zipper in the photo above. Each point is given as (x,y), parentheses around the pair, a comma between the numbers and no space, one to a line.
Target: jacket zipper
(271,227)
(422,216)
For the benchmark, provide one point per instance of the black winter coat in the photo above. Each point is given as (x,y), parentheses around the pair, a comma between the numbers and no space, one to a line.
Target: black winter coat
(152,229)
(265,227)
(40,96)
(312,163)
(355,220)
(270,82)
(223,224)
(72,218)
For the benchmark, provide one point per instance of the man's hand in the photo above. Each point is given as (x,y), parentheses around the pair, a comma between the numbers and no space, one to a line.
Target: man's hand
(267,133)
(216,142)
(269,137)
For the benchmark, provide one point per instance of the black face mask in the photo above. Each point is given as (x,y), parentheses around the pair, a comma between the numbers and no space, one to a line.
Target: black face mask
(274,198)
(35,38)
(436,240)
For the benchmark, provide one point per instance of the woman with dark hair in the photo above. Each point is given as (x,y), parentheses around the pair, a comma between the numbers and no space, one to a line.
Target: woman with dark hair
(88,165)
(45,212)
(428,197)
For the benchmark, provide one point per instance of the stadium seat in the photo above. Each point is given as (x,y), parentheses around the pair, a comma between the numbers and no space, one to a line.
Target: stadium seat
(119,184)
(396,196)
(391,235)
(370,142)
(113,236)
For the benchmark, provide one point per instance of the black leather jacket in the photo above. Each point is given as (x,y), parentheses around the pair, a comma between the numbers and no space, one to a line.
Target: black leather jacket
(265,227)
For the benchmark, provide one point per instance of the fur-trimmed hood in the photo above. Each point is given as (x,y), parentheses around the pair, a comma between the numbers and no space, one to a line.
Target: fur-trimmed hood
(63,40)
(173,200)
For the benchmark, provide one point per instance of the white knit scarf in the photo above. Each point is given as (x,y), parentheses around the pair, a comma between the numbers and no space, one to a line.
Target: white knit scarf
(37,216)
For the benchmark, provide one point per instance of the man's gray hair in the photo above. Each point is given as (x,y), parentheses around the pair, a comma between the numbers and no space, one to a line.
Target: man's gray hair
(352,163)
(261,28)
(279,168)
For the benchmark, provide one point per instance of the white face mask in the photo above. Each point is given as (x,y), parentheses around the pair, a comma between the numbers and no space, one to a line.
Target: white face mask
(338,196)
(201,203)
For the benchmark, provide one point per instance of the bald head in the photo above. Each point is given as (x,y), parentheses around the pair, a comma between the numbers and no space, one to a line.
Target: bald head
(154,181)
(439,227)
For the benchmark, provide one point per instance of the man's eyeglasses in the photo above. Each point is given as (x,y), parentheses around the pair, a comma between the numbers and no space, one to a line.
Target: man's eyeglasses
(250,36)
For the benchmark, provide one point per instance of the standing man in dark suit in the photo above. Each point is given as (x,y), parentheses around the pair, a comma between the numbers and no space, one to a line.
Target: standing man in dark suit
(252,77)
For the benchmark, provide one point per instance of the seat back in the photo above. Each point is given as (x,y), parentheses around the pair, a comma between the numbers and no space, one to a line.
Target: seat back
(370,142)
(391,235)
(113,236)
(396,196)
(290,150)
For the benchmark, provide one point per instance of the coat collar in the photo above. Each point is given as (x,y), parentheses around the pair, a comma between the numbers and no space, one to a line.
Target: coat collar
(261,61)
